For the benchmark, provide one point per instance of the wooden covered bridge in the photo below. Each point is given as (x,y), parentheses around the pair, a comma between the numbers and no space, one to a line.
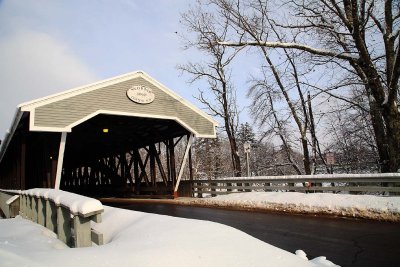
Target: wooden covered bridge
(127,135)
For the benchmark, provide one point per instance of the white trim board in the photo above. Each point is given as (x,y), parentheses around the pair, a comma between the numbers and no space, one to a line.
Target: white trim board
(119,113)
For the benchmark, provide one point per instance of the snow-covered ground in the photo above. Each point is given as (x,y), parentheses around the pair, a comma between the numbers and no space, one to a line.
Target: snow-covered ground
(141,239)
(360,206)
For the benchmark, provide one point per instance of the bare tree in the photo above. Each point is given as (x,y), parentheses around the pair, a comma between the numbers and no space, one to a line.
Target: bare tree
(215,71)
(361,37)
(208,159)
(352,136)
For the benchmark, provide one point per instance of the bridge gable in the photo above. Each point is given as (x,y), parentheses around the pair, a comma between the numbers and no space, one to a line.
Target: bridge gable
(60,113)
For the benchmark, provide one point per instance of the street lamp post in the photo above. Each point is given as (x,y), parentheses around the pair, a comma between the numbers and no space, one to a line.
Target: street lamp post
(247,148)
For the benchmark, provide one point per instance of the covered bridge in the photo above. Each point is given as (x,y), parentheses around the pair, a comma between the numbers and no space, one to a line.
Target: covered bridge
(117,136)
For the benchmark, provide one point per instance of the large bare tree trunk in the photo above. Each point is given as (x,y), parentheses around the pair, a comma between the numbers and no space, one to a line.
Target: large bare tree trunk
(392,119)
(213,71)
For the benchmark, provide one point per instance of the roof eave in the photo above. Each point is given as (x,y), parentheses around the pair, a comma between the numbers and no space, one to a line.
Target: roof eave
(10,134)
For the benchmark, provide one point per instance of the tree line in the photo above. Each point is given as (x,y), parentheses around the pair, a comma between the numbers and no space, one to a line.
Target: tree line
(328,81)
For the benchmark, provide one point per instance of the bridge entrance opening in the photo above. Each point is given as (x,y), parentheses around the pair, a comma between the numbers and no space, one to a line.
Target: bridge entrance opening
(111,155)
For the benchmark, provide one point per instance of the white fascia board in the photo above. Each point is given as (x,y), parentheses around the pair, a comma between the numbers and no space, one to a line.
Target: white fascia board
(108,112)
(34,128)
(179,98)
(28,106)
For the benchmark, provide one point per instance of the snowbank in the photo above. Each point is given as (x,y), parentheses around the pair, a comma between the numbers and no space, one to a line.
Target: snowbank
(140,239)
(361,206)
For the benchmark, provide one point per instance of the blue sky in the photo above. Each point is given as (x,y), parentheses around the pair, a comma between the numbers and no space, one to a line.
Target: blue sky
(49,46)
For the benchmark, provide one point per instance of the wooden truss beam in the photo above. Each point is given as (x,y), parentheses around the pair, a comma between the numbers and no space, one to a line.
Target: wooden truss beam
(188,146)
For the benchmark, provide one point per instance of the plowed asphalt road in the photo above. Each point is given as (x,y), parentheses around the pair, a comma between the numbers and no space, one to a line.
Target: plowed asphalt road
(346,242)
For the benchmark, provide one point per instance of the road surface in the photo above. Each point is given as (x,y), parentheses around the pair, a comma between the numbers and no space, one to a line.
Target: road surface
(346,242)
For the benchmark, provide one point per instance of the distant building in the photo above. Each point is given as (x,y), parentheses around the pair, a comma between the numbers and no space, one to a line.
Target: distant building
(330,158)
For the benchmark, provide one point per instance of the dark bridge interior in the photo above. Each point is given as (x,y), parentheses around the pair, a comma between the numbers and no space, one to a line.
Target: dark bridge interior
(107,155)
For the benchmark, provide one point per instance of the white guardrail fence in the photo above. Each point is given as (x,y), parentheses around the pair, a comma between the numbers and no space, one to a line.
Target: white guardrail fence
(66,214)
(383,183)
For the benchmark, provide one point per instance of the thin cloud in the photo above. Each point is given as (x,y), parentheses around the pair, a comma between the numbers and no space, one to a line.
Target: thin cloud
(33,65)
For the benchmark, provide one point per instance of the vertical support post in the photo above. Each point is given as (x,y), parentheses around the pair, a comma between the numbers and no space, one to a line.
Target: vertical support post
(247,164)
(60,160)
(123,167)
(41,215)
(51,216)
(83,237)
(136,172)
(22,207)
(191,172)
(172,161)
(153,173)
(64,225)
(34,209)
(28,207)
(168,161)
(188,146)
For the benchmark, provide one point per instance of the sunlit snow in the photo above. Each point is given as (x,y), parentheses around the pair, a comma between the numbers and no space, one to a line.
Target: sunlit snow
(141,239)
(362,206)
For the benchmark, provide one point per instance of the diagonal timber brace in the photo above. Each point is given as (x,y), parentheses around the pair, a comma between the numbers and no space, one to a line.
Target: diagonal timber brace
(188,146)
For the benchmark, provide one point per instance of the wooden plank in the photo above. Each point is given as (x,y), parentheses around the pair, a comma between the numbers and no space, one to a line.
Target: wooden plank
(214,192)
(97,237)
(160,167)
(302,180)
(60,160)
(189,144)
(22,210)
(172,162)
(128,168)
(34,213)
(136,173)
(64,232)
(153,173)
(83,237)
(28,207)
(298,188)
(51,216)
(142,166)
(41,215)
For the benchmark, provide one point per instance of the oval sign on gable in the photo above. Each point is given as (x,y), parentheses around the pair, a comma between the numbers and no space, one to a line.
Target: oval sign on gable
(140,94)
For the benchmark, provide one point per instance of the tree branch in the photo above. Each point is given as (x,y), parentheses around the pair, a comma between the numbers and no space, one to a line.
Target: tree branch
(302,47)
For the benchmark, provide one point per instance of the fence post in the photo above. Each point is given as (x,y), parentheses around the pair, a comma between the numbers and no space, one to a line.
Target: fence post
(28,207)
(213,189)
(22,208)
(247,190)
(51,216)
(83,236)
(64,232)
(199,195)
(41,215)
(34,209)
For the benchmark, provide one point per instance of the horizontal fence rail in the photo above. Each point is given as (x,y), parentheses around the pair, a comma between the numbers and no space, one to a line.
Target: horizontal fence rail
(388,183)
